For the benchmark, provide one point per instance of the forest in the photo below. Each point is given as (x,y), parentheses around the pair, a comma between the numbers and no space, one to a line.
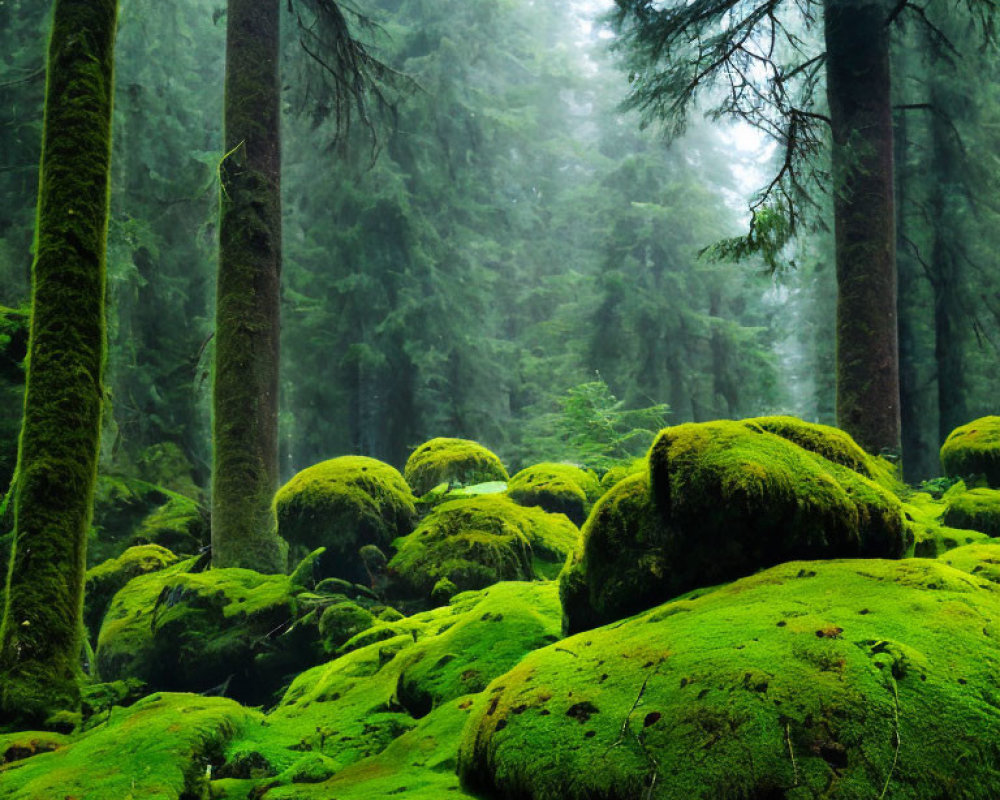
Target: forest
(499,399)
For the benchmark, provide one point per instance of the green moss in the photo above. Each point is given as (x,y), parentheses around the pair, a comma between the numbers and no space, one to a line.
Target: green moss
(341,622)
(480,541)
(745,497)
(848,679)
(928,536)
(343,505)
(625,561)
(227,629)
(981,559)
(354,707)
(59,441)
(722,499)
(618,473)
(975,509)
(558,488)
(104,580)
(158,749)
(450,461)
(974,449)
(14,325)
(834,445)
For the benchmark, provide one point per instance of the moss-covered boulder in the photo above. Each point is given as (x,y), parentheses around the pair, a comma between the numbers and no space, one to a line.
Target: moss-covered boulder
(130,512)
(354,707)
(458,461)
(974,509)
(344,505)
(981,559)
(928,535)
(341,622)
(833,444)
(227,631)
(722,500)
(478,542)
(620,472)
(842,679)
(104,580)
(558,488)
(162,747)
(974,450)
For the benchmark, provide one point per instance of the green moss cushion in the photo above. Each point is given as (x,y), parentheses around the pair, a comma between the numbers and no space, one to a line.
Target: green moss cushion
(975,509)
(974,449)
(215,631)
(458,461)
(479,541)
(833,444)
(558,488)
(158,748)
(343,505)
(842,679)
(104,580)
(722,500)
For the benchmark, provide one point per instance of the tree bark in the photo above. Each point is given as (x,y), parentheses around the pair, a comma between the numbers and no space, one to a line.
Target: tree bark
(40,641)
(245,391)
(858,90)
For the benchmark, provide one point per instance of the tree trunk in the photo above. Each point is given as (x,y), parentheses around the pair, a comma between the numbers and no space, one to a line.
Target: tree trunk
(40,641)
(858,90)
(245,392)
(949,352)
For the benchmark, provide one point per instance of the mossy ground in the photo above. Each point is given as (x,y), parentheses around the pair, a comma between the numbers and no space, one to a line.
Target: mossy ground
(974,450)
(928,535)
(810,679)
(343,505)
(158,749)
(478,541)
(226,630)
(459,461)
(557,488)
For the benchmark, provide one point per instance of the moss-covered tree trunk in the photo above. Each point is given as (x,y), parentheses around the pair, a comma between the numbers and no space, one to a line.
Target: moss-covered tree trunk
(60,437)
(858,90)
(245,395)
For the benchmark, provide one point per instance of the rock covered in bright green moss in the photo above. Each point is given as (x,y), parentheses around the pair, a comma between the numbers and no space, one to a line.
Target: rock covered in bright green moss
(558,488)
(480,541)
(929,536)
(974,450)
(722,500)
(444,460)
(227,630)
(344,505)
(620,472)
(341,622)
(833,444)
(159,749)
(974,509)
(104,580)
(625,561)
(842,679)
(357,705)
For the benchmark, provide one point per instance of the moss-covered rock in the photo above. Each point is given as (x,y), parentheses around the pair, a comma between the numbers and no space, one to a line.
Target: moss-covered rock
(342,621)
(929,536)
(228,630)
(974,509)
(161,748)
(354,707)
(620,472)
(974,450)
(843,679)
(722,500)
(558,488)
(104,580)
(480,541)
(450,461)
(981,559)
(344,505)
(834,445)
